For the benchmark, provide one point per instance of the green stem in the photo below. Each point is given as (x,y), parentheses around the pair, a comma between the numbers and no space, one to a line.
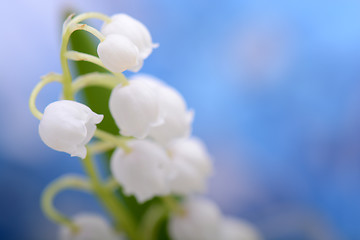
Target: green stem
(100,147)
(69,29)
(84,16)
(89,29)
(79,56)
(123,79)
(118,141)
(65,66)
(123,218)
(111,184)
(60,184)
(151,221)
(172,205)
(51,77)
(96,79)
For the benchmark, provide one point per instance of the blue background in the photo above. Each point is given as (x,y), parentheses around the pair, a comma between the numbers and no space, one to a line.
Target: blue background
(275,86)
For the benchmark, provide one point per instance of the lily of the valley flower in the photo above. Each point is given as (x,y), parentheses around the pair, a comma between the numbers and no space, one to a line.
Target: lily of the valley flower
(134,30)
(172,107)
(192,166)
(118,54)
(144,172)
(135,109)
(91,227)
(235,229)
(67,126)
(201,221)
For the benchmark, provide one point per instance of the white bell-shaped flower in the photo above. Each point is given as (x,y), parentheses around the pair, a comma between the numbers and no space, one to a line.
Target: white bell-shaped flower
(192,165)
(67,126)
(135,109)
(118,54)
(144,172)
(133,29)
(201,221)
(177,119)
(91,227)
(236,229)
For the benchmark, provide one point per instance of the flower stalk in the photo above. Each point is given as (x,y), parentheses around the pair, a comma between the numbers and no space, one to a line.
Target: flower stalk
(71,27)
(154,154)
(105,80)
(51,77)
(123,219)
(79,56)
(61,184)
(118,141)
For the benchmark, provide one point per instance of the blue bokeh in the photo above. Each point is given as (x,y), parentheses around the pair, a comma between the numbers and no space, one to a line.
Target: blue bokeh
(276,91)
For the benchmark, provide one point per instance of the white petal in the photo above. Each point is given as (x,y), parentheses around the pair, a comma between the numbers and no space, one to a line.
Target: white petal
(144,172)
(177,120)
(192,165)
(137,67)
(118,53)
(186,179)
(91,227)
(133,29)
(68,126)
(236,229)
(134,109)
(201,221)
(193,151)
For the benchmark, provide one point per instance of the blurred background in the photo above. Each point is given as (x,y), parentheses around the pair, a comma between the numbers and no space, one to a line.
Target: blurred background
(275,86)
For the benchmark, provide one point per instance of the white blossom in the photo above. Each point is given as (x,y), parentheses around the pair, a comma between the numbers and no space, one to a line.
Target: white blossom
(201,221)
(67,126)
(236,229)
(144,172)
(177,119)
(135,109)
(192,165)
(123,24)
(91,227)
(118,54)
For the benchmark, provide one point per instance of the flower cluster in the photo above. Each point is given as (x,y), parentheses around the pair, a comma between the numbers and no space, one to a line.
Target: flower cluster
(161,160)
(202,220)
(127,44)
(155,154)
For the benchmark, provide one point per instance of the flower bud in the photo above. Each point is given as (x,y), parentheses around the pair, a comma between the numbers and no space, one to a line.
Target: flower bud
(118,54)
(234,229)
(200,221)
(177,120)
(67,126)
(144,172)
(192,166)
(133,29)
(91,227)
(135,109)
